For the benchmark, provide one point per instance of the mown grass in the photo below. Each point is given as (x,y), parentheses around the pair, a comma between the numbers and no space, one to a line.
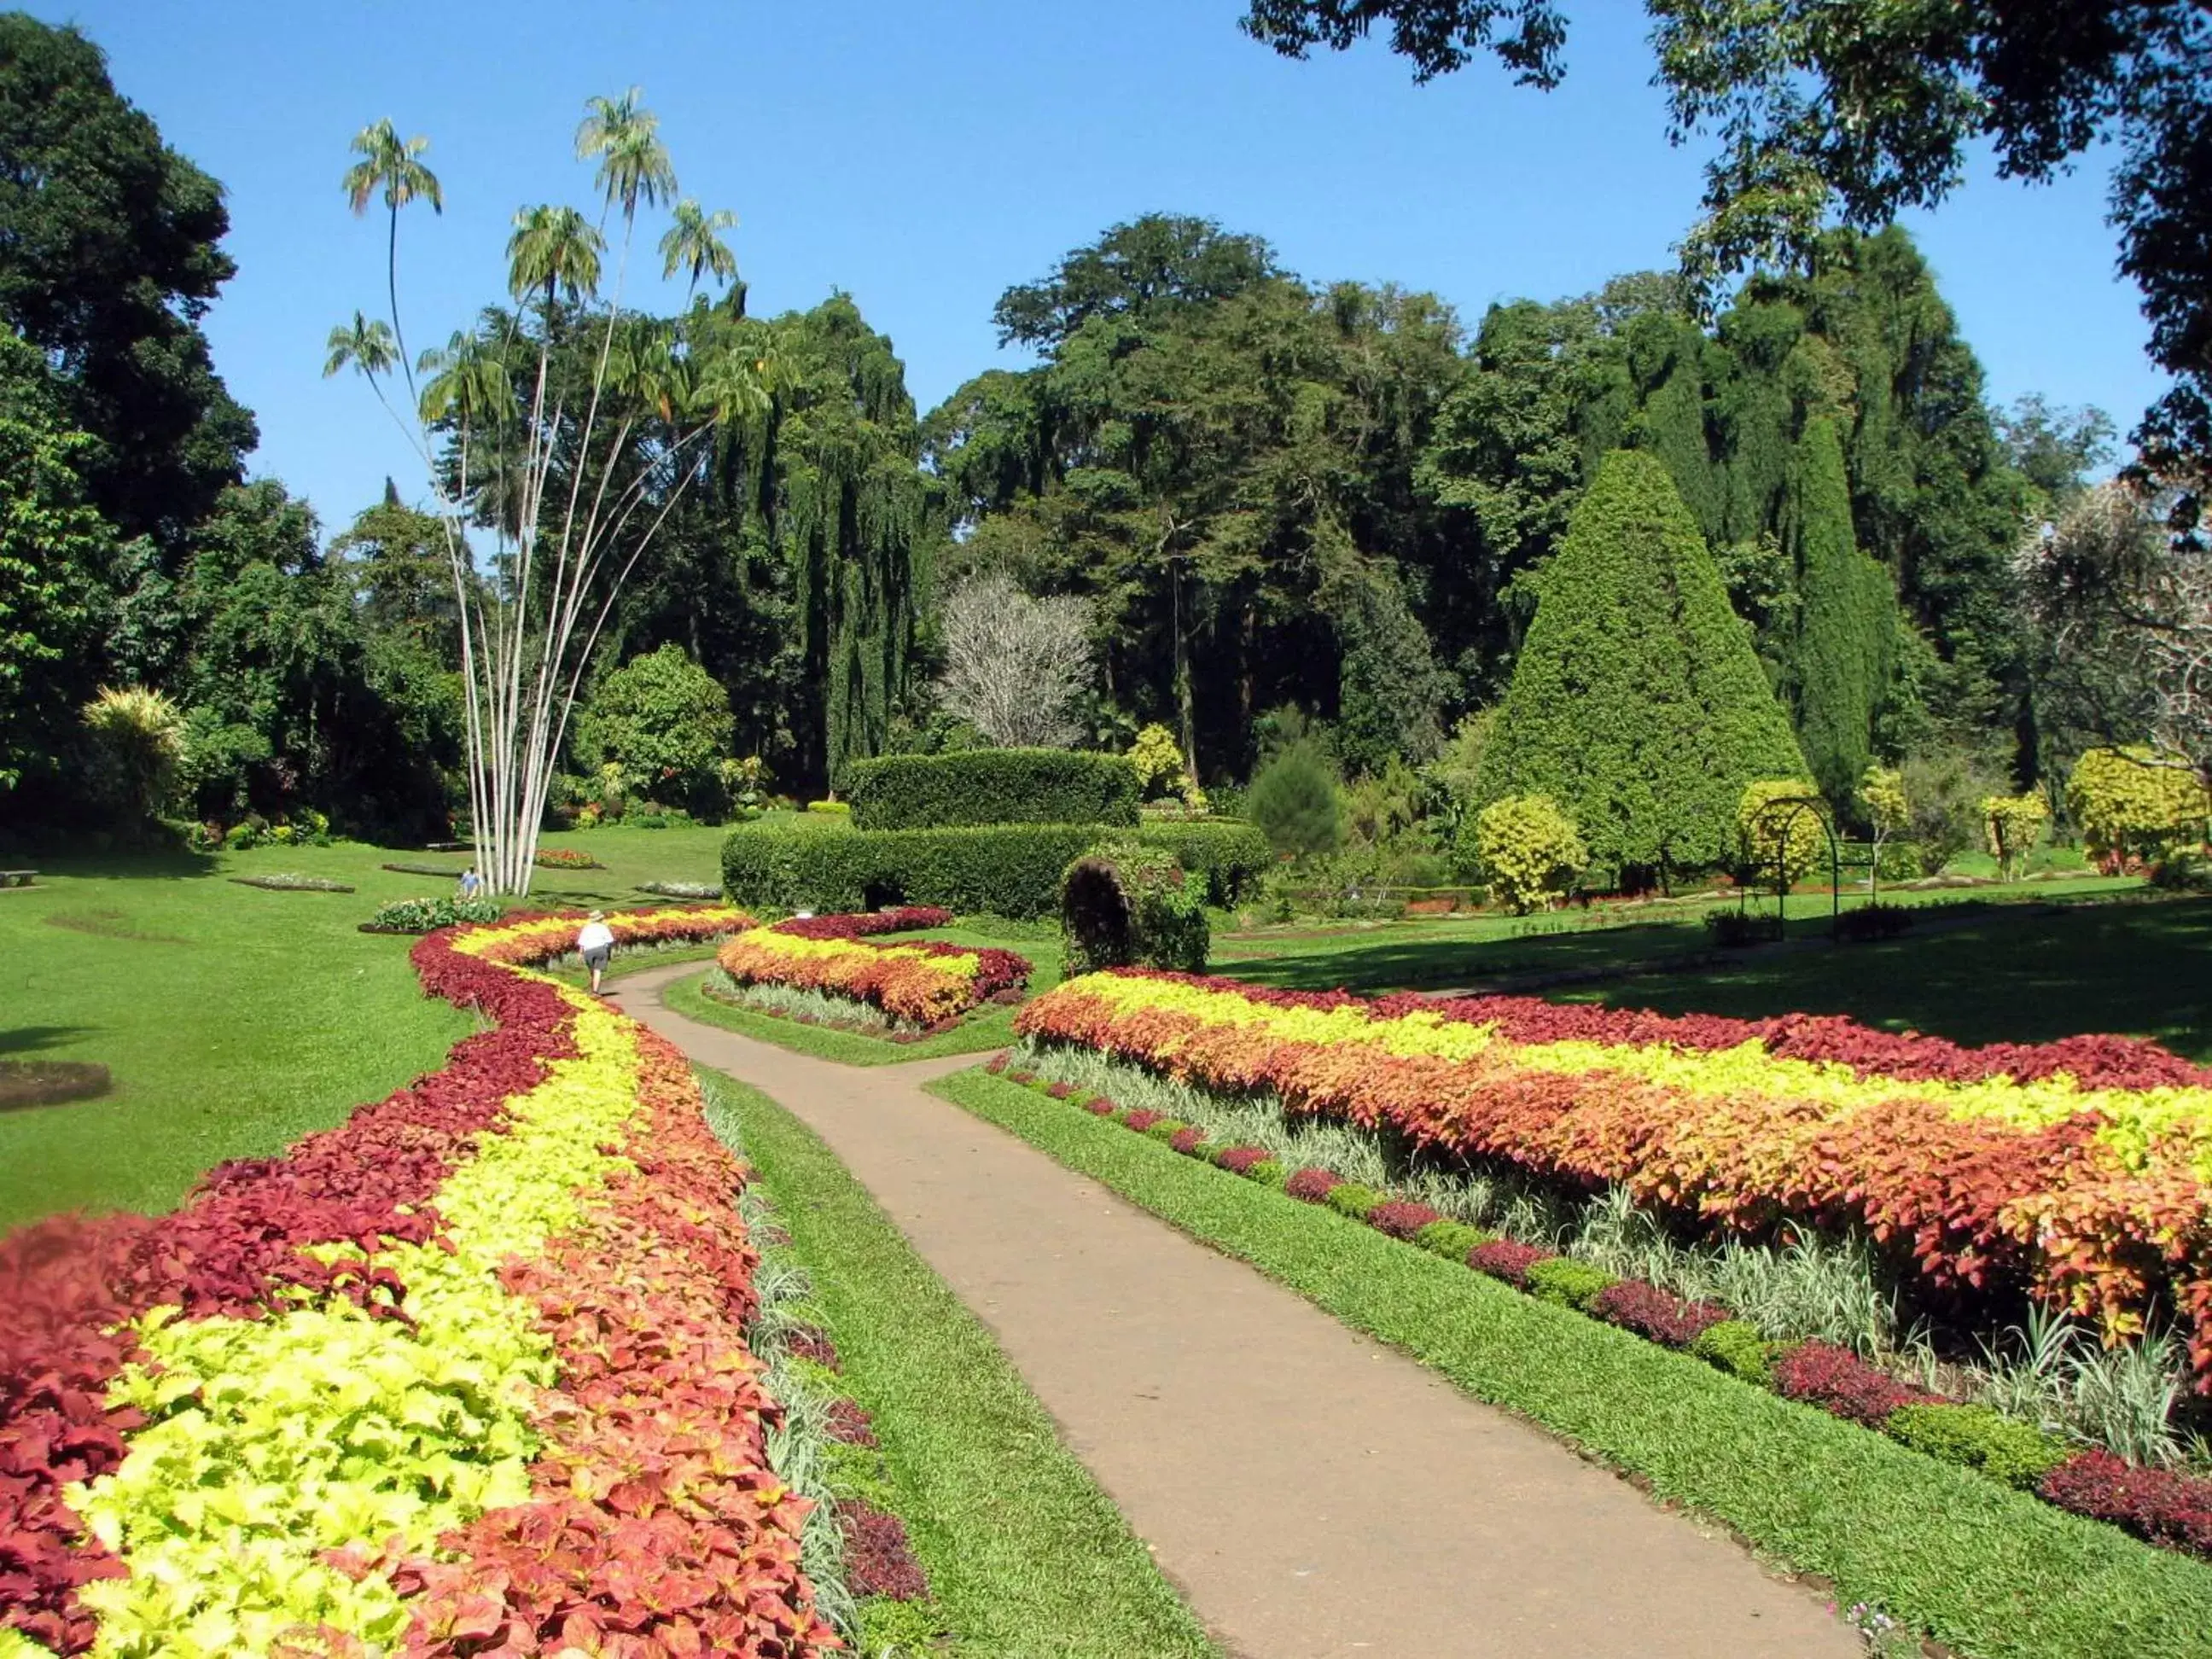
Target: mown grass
(234,1019)
(1026,1556)
(988,1028)
(1994,1573)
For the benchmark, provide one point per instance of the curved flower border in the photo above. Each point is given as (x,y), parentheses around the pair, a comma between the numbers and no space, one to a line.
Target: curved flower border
(926,982)
(465,1373)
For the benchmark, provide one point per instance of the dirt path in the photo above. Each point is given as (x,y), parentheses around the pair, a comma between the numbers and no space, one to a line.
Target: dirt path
(1312,1493)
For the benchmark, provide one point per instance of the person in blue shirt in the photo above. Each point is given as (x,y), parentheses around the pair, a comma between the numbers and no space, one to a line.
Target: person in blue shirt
(472,884)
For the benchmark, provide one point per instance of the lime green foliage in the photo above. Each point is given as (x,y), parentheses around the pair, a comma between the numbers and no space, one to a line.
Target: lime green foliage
(138,742)
(1985,1568)
(1167,1128)
(1637,702)
(1024,1554)
(2004,1449)
(901,1630)
(1268,1172)
(270,1441)
(1735,1346)
(1350,1198)
(1568,1283)
(1159,759)
(1451,1240)
(1839,663)
(1886,807)
(2137,802)
(664,723)
(1767,832)
(990,785)
(1527,850)
(1294,798)
(2012,824)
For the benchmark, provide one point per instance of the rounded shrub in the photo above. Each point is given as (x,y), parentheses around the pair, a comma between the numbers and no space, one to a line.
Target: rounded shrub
(1769,830)
(1529,851)
(990,785)
(1568,1283)
(1294,798)
(1735,1346)
(1979,1438)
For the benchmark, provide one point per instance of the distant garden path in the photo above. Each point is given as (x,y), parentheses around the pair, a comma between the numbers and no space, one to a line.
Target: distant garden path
(1311,1493)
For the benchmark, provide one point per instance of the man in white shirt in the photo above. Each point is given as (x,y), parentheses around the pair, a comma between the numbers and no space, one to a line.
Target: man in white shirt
(595,941)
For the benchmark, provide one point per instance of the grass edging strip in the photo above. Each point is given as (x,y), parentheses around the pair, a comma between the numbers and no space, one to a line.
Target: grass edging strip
(1991,1572)
(1024,1553)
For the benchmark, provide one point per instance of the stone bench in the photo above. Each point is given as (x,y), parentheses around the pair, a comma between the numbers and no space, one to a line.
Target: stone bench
(16,877)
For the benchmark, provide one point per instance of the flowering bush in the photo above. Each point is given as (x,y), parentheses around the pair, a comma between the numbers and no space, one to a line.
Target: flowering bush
(565,858)
(922,980)
(2080,1169)
(465,1372)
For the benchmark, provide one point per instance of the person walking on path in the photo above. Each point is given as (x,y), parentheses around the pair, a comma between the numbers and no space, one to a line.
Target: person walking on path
(595,942)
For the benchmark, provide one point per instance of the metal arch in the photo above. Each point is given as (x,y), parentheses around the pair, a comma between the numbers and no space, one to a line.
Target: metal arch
(1789,807)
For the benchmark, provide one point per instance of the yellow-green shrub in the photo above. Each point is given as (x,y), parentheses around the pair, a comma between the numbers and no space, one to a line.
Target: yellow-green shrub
(1766,831)
(1529,850)
(2012,823)
(2137,802)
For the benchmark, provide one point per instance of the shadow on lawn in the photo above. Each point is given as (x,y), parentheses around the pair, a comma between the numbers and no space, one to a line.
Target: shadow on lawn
(1413,964)
(29,1039)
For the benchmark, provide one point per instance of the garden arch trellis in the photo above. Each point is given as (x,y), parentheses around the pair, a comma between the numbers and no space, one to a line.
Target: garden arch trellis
(1779,816)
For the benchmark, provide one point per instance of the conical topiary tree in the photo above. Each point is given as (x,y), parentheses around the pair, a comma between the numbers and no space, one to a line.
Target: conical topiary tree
(1637,703)
(1840,660)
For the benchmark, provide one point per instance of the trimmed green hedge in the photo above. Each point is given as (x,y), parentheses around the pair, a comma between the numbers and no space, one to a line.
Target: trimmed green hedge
(976,787)
(1006,869)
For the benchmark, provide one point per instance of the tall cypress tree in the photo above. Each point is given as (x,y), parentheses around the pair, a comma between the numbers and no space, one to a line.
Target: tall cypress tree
(1840,660)
(1638,702)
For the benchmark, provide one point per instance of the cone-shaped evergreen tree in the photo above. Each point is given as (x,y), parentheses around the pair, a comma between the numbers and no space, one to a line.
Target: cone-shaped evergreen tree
(1840,661)
(1638,702)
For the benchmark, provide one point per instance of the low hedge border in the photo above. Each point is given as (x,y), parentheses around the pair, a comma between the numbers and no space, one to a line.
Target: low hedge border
(2173,1511)
(1005,869)
(990,787)
(1975,1561)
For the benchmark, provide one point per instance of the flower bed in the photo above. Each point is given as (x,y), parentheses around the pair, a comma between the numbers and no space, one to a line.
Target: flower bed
(465,1373)
(923,982)
(2163,1507)
(2079,1170)
(564,857)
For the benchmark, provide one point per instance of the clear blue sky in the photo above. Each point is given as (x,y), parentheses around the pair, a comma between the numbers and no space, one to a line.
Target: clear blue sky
(924,156)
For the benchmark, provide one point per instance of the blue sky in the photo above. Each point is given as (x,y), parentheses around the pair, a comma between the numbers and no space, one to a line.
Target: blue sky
(923,157)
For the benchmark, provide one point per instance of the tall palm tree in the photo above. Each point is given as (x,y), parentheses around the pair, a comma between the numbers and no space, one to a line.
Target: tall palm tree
(624,136)
(390,165)
(360,345)
(556,250)
(693,244)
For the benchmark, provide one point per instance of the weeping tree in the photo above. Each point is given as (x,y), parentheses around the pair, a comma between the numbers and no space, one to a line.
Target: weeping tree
(556,438)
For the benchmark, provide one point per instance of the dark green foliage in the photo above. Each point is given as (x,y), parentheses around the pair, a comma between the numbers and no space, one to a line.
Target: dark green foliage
(1126,905)
(1567,1282)
(1229,856)
(1390,693)
(55,554)
(1638,704)
(1840,662)
(1008,870)
(109,255)
(1735,1346)
(664,723)
(1351,1198)
(1294,799)
(990,785)
(2003,1447)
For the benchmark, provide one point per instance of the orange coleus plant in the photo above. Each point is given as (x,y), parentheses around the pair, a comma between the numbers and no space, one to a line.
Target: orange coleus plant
(2092,1195)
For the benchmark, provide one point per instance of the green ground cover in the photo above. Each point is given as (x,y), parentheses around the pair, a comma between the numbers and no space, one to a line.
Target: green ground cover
(1026,1556)
(989,1027)
(234,1020)
(1987,1570)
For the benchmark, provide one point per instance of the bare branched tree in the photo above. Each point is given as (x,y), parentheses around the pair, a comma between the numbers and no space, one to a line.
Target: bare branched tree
(568,482)
(1013,665)
(2124,609)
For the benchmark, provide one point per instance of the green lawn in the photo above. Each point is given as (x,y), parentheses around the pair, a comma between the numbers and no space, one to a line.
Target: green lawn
(1026,1556)
(234,1020)
(990,1027)
(1988,1570)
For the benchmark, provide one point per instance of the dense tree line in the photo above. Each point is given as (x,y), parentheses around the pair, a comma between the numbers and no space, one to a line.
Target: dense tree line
(1292,514)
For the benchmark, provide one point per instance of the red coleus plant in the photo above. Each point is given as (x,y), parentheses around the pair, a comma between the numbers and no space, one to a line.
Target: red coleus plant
(1654,1313)
(1312,1184)
(1507,1259)
(907,918)
(1401,1218)
(1839,1382)
(2160,1505)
